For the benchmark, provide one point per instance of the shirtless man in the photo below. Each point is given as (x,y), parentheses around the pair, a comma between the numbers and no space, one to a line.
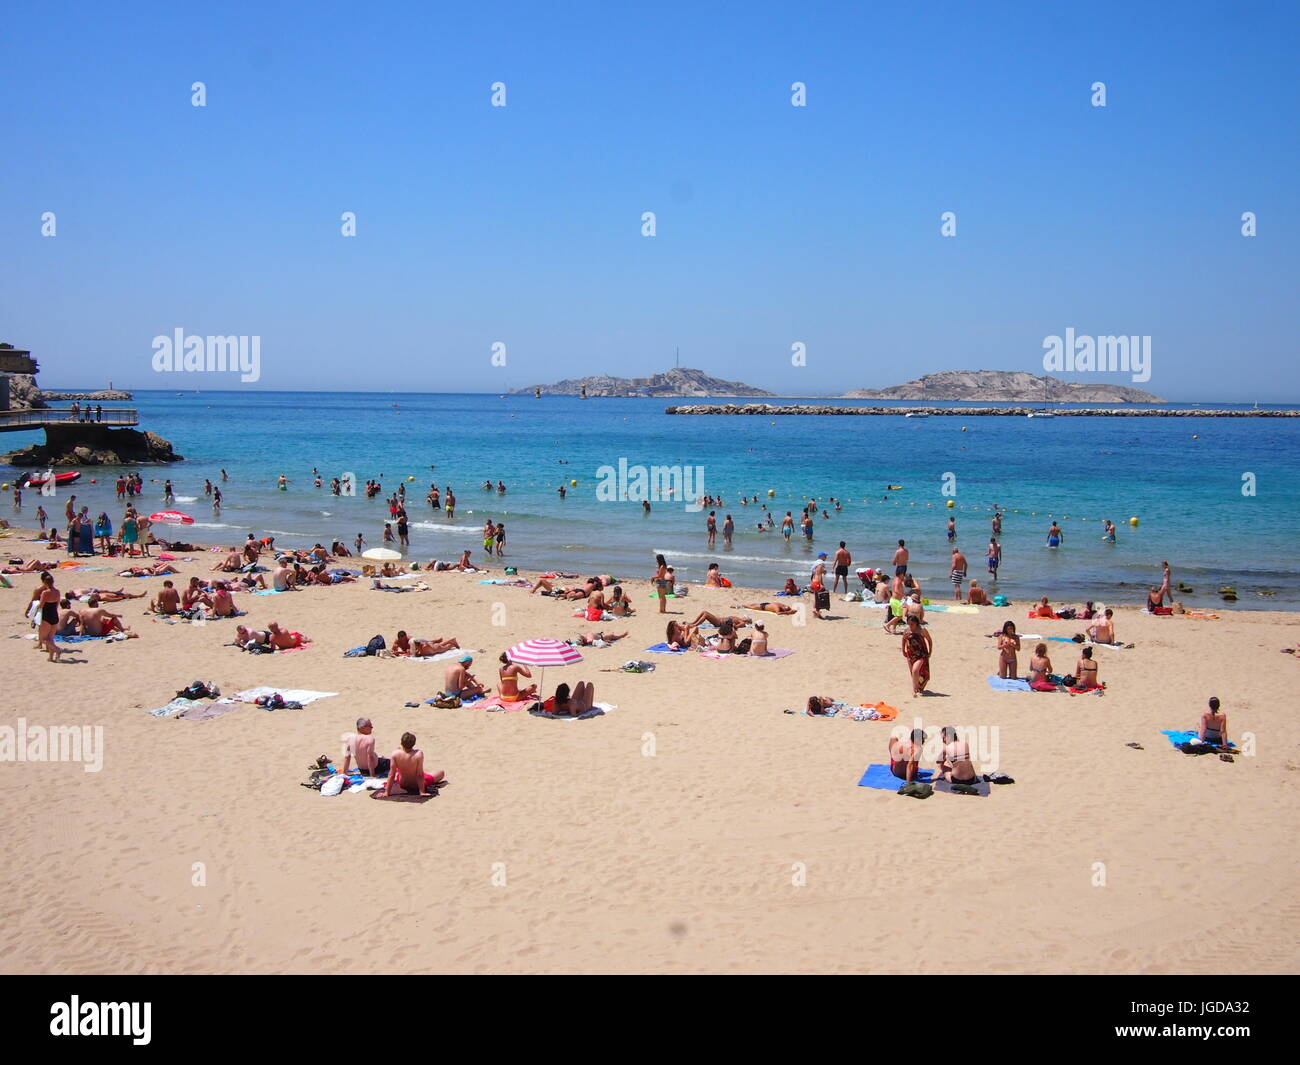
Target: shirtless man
(843,560)
(281,639)
(900,559)
(1054,535)
(905,755)
(223,604)
(96,621)
(994,557)
(958,572)
(406,771)
(283,578)
(359,746)
(459,681)
(1104,630)
(954,763)
(976,596)
(769,608)
(195,593)
(711,525)
(422,648)
(229,564)
(597,639)
(167,601)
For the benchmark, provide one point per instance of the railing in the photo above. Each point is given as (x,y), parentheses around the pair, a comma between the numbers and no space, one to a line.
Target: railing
(13,419)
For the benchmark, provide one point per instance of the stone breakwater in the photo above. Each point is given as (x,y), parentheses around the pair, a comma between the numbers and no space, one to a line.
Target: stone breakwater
(771,410)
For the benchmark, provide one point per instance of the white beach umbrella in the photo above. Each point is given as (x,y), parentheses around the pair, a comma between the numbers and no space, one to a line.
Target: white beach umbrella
(381,554)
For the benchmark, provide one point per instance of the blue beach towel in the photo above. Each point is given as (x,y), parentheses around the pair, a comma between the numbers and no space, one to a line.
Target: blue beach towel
(879,777)
(1003,684)
(76,639)
(1178,737)
(664,649)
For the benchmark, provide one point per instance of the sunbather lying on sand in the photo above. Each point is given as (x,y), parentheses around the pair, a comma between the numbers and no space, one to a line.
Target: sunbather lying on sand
(572,704)
(404,646)
(29,567)
(596,639)
(156,570)
(771,608)
(703,616)
(246,637)
(106,595)
(681,636)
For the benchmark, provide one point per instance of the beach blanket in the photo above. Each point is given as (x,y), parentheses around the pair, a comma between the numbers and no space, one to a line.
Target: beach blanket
(204,711)
(773,652)
(290,695)
(176,706)
(865,712)
(597,710)
(76,639)
(1178,737)
(495,702)
(880,777)
(453,653)
(982,787)
(273,591)
(1054,639)
(1004,684)
(664,649)
(873,605)
(1087,691)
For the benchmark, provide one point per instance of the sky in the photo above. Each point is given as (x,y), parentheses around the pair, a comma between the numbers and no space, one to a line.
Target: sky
(775,225)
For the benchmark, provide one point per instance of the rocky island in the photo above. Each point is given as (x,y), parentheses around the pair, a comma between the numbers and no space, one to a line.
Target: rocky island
(679,382)
(1004,386)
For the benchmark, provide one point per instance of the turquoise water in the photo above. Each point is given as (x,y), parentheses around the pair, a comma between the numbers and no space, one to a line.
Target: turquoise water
(1186,491)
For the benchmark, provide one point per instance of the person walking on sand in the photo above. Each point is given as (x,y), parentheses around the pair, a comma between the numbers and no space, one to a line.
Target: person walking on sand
(958,572)
(917,648)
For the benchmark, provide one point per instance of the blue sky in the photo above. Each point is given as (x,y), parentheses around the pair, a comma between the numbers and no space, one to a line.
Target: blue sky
(775,224)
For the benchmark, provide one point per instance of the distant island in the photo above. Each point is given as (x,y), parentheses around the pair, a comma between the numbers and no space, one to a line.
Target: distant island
(677,382)
(1005,386)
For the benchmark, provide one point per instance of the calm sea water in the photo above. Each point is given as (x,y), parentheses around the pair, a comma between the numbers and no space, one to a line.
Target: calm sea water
(1182,477)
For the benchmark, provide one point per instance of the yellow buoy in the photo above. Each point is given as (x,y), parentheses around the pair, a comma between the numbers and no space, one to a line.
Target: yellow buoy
(5,486)
(411,477)
(573,484)
(1196,436)
(963,428)
(950,504)
(1133,521)
(771,492)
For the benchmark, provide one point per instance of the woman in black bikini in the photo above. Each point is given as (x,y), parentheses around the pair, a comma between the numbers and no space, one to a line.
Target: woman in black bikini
(1214,726)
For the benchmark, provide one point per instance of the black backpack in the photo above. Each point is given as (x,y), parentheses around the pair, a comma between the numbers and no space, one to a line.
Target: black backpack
(375,645)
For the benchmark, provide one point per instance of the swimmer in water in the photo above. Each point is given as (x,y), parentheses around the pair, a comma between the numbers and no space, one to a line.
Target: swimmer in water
(1054,536)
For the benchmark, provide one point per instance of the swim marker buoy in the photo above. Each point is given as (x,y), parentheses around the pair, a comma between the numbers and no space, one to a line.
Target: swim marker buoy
(950,504)
(573,484)
(1133,521)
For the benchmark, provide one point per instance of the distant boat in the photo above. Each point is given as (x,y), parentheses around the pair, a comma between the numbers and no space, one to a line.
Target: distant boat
(59,479)
(917,414)
(537,393)
(584,392)
(1040,414)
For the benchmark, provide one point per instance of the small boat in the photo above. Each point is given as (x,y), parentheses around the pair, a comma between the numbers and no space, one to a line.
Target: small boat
(917,414)
(59,479)
(1040,414)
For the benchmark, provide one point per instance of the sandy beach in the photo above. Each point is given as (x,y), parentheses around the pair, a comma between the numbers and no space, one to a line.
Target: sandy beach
(696,828)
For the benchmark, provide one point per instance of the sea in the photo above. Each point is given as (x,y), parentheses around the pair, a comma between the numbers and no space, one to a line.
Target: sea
(1216,497)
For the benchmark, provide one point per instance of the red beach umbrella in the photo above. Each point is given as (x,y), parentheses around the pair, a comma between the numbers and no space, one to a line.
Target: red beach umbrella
(171,517)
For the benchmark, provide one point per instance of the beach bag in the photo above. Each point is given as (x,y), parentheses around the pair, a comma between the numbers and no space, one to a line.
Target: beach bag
(375,645)
(743,647)
(725,582)
(1000,600)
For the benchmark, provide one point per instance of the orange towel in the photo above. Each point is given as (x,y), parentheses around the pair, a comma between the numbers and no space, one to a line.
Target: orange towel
(886,712)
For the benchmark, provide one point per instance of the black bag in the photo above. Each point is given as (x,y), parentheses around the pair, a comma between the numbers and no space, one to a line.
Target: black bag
(375,645)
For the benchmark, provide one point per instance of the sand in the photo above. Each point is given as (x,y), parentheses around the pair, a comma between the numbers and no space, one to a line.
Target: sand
(697,828)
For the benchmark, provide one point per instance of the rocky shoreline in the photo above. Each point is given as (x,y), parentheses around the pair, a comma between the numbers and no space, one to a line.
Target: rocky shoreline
(81,444)
(772,410)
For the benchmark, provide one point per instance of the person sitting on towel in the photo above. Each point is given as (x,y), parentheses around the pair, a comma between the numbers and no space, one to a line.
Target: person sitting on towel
(359,746)
(406,771)
(905,755)
(509,674)
(459,681)
(1085,671)
(1044,609)
(1214,725)
(1104,630)
(976,595)
(955,765)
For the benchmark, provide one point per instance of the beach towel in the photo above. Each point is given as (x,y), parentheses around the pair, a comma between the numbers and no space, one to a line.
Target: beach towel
(273,591)
(202,711)
(1004,684)
(597,710)
(1179,737)
(772,652)
(76,639)
(1054,639)
(174,707)
(872,605)
(880,777)
(290,695)
(495,702)
(982,787)
(664,649)
(1087,691)
(1035,616)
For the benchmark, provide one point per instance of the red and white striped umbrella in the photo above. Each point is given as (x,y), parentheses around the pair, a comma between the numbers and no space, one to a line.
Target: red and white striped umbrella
(544,652)
(171,517)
